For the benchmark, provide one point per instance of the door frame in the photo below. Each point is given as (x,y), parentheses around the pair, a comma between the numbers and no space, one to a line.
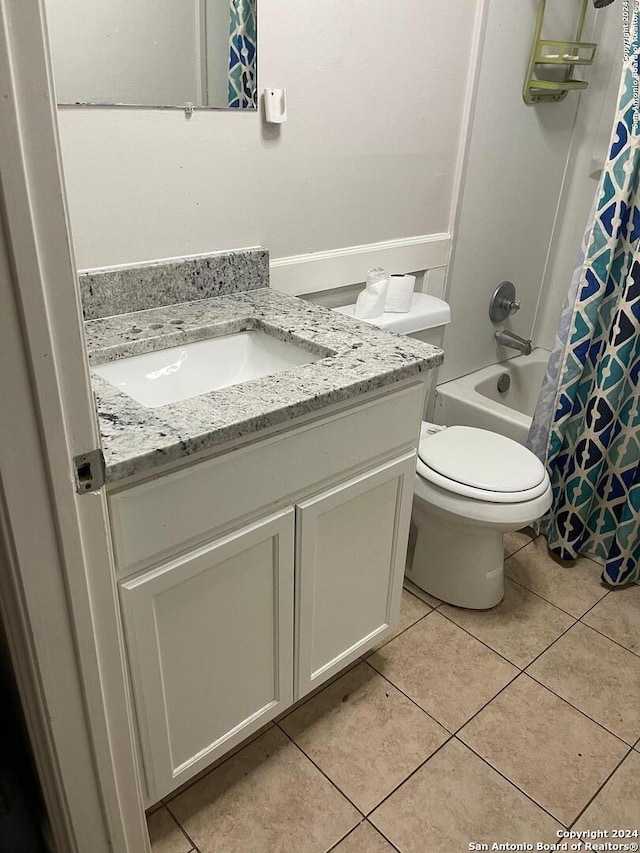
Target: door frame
(58,595)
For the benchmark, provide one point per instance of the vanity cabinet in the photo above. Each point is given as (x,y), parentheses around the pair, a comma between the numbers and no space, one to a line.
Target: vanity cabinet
(210,640)
(351,547)
(248,579)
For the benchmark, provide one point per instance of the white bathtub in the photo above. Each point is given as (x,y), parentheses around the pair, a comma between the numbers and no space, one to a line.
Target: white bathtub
(474,400)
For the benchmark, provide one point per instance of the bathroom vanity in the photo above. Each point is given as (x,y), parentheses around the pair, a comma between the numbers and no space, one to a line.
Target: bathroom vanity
(259,530)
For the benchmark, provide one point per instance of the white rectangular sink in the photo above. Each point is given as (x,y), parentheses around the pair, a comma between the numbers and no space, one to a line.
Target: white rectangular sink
(170,375)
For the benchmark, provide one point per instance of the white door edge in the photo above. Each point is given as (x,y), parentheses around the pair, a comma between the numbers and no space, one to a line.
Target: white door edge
(61,569)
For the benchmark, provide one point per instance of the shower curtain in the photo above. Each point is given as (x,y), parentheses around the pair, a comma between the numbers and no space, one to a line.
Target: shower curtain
(587,423)
(242,54)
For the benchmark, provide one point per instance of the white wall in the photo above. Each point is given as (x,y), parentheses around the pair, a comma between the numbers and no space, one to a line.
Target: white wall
(140,52)
(517,159)
(375,95)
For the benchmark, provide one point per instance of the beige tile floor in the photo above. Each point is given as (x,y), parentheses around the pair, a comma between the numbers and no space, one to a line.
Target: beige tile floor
(501,726)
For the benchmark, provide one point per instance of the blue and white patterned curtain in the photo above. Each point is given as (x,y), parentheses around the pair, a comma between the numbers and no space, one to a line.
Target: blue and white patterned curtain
(587,424)
(242,54)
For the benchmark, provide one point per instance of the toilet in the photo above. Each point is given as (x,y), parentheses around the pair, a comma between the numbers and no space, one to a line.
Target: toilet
(471,487)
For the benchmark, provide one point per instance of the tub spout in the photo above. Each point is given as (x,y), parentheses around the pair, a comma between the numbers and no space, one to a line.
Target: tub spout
(510,339)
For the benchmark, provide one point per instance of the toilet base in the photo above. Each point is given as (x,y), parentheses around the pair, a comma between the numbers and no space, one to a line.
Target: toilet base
(460,564)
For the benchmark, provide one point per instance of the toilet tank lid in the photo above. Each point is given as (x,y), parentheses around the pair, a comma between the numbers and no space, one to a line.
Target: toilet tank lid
(427,312)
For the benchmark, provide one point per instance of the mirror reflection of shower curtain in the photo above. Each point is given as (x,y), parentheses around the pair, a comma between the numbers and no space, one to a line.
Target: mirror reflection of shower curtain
(242,54)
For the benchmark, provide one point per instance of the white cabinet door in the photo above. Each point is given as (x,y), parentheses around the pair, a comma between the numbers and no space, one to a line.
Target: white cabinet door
(210,639)
(351,545)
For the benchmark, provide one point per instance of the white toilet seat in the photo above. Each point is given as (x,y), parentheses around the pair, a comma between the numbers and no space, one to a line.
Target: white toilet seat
(480,465)
(476,494)
(449,505)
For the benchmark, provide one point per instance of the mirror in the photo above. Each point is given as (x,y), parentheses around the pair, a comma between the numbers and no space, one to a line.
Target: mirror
(155,53)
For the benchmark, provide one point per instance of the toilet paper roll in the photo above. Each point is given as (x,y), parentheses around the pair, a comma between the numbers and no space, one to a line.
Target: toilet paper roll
(400,293)
(371,302)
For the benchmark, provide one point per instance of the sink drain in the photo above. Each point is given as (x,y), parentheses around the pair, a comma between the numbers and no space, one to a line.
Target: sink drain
(504,383)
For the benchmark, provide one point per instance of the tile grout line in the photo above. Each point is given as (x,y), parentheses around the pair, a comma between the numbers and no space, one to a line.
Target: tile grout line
(406,696)
(557,606)
(487,703)
(522,671)
(607,590)
(320,770)
(506,778)
(406,779)
(560,562)
(586,624)
(422,763)
(484,761)
(562,699)
(630,749)
(582,713)
(421,600)
(453,736)
(183,830)
(351,831)
(546,649)
(482,707)
(606,636)
(610,776)
(575,708)
(363,659)
(381,833)
(576,619)
(495,651)
(345,836)
(404,630)
(526,545)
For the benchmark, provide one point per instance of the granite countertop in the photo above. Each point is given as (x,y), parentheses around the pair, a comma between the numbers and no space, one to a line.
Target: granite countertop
(356,358)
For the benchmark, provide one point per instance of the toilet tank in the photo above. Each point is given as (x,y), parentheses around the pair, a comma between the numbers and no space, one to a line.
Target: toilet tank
(426,321)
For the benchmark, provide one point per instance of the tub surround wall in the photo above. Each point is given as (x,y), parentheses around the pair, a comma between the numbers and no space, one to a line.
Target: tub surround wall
(136,287)
(589,148)
(516,161)
(519,161)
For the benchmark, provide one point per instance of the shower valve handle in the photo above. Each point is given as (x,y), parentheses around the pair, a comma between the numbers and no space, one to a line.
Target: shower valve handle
(512,307)
(503,302)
